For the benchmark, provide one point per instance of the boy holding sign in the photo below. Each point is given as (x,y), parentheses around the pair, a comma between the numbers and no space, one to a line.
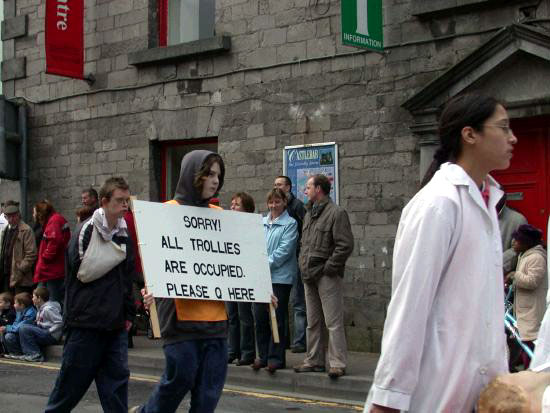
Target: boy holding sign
(194,331)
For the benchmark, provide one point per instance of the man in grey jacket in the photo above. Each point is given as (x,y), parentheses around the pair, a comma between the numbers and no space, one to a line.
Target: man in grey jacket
(327,242)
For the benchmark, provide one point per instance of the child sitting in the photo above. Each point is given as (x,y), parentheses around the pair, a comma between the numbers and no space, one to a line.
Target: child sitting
(7,313)
(47,330)
(25,314)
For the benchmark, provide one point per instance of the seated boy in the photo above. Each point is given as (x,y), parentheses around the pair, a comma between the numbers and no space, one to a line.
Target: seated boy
(47,330)
(7,313)
(25,314)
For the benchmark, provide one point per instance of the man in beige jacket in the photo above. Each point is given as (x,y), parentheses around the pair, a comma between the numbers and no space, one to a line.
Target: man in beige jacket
(327,243)
(18,253)
(530,283)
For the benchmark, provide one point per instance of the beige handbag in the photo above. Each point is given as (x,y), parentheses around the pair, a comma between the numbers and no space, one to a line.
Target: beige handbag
(100,258)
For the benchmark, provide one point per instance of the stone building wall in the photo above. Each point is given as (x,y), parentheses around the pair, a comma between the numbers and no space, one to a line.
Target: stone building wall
(287,80)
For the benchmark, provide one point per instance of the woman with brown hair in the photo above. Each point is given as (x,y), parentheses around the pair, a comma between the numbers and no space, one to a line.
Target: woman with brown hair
(50,267)
(281,234)
(241,320)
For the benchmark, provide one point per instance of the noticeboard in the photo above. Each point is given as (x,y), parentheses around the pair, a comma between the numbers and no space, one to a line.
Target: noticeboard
(302,161)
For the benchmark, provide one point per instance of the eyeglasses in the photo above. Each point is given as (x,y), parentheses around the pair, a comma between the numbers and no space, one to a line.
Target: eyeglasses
(505,128)
(122,201)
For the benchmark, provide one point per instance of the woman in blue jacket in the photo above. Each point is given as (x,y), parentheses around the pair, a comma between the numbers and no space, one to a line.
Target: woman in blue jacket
(281,232)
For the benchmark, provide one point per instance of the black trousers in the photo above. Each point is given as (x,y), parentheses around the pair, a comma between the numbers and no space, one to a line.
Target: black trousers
(268,351)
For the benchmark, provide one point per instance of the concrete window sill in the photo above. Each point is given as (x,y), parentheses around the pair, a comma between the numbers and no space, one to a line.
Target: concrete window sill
(179,52)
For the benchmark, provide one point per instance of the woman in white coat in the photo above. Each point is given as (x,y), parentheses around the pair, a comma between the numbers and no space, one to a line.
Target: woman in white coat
(444,336)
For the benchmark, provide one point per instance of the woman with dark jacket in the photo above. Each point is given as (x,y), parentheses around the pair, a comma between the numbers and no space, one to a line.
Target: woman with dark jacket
(50,268)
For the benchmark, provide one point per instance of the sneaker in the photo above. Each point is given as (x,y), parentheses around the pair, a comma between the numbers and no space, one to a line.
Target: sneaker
(335,372)
(36,357)
(304,368)
(14,356)
(134,409)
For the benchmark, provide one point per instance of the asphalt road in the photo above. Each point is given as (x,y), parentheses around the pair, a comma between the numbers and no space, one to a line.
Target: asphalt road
(25,387)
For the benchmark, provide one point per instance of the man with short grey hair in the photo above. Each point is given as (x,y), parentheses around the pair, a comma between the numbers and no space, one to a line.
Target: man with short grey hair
(327,243)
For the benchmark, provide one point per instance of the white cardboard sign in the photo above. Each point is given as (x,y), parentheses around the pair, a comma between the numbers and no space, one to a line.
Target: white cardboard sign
(203,253)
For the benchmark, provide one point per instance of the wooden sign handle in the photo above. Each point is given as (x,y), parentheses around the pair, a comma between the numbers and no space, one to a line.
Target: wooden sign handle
(274,328)
(154,318)
(153,315)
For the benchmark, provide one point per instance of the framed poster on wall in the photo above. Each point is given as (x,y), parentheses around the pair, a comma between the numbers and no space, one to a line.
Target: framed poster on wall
(302,161)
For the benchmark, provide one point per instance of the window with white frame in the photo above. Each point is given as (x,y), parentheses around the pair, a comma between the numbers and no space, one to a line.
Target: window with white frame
(184,21)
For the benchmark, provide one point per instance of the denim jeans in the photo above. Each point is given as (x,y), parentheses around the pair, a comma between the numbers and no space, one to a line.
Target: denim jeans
(268,351)
(298,300)
(199,366)
(90,355)
(56,288)
(11,343)
(32,338)
(241,331)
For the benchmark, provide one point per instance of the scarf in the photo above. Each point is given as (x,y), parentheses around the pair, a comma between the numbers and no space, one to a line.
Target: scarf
(100,223)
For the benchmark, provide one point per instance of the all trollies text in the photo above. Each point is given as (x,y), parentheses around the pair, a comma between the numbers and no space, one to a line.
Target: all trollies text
(195,289)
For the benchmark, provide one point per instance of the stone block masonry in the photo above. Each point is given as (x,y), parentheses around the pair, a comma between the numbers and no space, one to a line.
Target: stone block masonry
(286,80)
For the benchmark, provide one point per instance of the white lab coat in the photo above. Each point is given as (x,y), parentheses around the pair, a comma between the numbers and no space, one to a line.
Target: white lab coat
(444,332)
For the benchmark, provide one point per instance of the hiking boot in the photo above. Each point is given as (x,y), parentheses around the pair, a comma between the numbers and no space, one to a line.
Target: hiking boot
(304,368)
(335,372)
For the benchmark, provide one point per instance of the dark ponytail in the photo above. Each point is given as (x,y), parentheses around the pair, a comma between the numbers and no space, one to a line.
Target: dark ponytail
(461,111)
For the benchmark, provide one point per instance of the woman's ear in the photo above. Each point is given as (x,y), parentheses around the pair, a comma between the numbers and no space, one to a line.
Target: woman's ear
(468,135)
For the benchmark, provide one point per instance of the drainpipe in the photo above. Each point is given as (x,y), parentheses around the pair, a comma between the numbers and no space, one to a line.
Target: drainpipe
(24,178)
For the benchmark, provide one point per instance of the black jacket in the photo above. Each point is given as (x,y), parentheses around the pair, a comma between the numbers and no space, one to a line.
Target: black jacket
(103,304)
(7,316)
(296,210)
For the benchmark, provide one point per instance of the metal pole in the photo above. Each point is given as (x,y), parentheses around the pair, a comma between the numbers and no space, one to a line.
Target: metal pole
(24,178)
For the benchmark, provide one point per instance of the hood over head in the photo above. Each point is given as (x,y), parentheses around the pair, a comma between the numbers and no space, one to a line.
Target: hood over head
(186,193)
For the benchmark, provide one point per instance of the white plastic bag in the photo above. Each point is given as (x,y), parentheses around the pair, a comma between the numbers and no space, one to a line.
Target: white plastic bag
(100,258)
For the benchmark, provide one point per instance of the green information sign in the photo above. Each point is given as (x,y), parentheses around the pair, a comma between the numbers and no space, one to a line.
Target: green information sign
(362,24)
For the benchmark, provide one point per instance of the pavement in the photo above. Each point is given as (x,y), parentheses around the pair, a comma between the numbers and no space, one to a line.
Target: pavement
(147,358)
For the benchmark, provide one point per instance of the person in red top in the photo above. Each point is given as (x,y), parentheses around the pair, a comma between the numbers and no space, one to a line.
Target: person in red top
(50,267)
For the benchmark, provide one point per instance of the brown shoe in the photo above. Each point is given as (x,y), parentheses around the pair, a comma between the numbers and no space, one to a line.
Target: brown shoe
(244,362)
(335,372)
(258,364)
(271,368)
(304,368)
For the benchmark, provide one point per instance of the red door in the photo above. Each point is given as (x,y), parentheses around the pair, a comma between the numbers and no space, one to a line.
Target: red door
(526,181)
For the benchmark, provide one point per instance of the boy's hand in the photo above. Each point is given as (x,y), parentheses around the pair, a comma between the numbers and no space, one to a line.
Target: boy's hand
(274,301)
(148,298)
(2,329)
(128,325)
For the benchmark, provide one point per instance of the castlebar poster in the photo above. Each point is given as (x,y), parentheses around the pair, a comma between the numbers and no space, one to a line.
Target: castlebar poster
(302,161)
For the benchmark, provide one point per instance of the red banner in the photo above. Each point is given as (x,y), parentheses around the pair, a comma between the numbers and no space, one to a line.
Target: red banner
(65,38)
